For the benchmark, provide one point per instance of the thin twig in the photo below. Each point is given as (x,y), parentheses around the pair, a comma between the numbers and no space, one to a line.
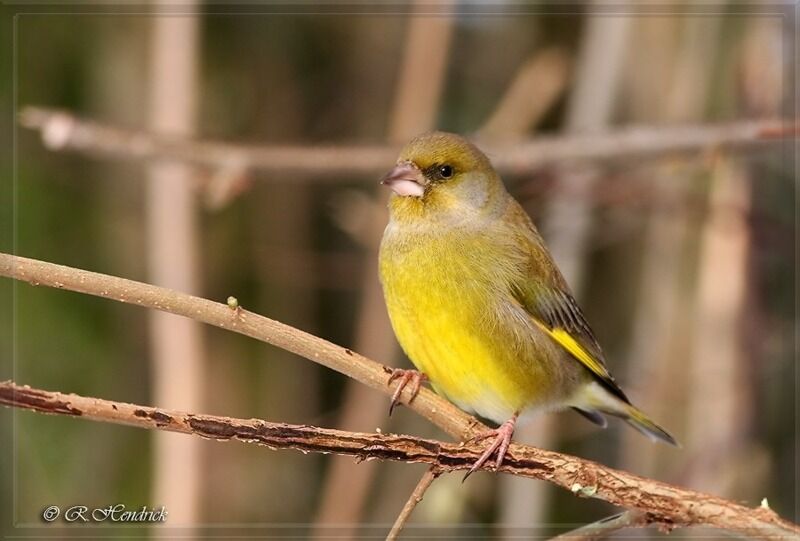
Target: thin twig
(605,527)
(62,130)
(669,506)
(416,496)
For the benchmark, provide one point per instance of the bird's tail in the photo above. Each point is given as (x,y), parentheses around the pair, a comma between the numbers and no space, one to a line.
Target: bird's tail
(603,401)
(641,422)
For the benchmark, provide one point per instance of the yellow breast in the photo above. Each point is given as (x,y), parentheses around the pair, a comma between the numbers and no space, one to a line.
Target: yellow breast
(450,307)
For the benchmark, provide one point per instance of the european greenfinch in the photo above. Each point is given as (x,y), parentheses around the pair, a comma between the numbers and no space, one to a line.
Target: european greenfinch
(477,302)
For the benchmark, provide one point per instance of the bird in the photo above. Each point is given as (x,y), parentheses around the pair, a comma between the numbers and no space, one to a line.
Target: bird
(478,304)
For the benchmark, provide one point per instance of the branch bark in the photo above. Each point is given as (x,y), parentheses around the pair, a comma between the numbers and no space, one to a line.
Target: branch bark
(304,438)
(61,130)
(667,505)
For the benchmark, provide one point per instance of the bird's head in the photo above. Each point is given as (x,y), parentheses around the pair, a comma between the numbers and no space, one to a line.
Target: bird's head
(442,174)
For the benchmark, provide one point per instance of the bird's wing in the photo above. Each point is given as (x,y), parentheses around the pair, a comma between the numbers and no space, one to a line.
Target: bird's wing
(545,295)
(559,316)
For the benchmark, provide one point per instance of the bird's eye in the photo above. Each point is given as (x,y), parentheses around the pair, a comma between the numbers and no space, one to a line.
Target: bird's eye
(445,171)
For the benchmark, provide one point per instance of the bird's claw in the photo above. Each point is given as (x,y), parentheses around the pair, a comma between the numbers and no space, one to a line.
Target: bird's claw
(406,377)
(502,439)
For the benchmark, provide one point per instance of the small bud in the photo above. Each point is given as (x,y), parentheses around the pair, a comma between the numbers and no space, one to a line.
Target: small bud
(233,303)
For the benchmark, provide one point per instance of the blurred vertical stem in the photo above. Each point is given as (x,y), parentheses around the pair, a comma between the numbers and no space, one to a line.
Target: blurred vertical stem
(281,218)
(719,403)
(658,358)
(172,242)
(720,409)
(567,219)
(419,86)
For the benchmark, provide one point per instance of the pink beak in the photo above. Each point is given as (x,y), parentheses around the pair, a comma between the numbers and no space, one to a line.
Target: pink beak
(405,180)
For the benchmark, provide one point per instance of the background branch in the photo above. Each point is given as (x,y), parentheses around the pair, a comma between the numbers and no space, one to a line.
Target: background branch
(62,130)
(668,505)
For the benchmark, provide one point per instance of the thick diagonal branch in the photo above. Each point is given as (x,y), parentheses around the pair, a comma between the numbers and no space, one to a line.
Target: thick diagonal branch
(440,412)
(665,504)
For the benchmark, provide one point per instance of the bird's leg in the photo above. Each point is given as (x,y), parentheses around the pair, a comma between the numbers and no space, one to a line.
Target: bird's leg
(502,439)
(406,377)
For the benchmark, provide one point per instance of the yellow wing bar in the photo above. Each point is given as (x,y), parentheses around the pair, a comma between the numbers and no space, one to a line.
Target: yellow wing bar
(571,345)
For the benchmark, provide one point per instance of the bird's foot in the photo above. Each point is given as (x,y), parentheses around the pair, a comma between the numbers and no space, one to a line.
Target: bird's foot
(413,378)
(502,439)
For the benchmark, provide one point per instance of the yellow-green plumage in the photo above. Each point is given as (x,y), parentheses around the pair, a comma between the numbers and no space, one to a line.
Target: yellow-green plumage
(475,299)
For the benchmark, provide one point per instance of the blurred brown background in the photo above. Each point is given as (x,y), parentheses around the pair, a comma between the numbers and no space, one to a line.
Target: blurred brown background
(685,264)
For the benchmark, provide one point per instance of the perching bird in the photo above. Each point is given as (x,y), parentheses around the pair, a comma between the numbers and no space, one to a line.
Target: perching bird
(477,302)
